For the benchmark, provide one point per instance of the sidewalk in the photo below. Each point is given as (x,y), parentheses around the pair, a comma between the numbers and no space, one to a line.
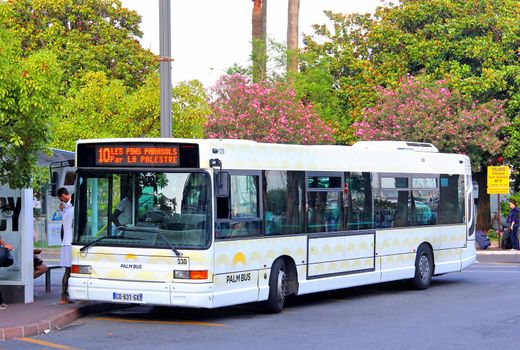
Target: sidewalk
(494,249)
(45,314)
(497,251)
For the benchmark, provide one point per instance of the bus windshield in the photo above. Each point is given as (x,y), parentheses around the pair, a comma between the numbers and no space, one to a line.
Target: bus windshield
(143,209)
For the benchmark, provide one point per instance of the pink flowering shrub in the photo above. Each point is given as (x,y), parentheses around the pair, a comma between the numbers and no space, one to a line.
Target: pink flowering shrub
(265,112)
(417,111)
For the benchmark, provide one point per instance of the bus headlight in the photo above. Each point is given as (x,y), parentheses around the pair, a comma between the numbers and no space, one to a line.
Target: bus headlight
(82,269)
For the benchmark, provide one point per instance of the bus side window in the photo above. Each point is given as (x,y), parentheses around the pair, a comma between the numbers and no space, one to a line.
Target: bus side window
(283,200)
(238,214)
(324,202)
(403,209)
(358,201)
(451,201)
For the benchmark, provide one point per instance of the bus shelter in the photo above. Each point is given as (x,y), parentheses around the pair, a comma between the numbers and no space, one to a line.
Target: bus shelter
(17,228)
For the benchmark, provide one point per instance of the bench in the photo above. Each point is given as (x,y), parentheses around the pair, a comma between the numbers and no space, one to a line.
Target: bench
(48,277)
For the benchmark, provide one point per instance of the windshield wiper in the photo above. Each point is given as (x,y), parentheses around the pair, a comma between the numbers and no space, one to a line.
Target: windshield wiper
(85,247)
(151,230)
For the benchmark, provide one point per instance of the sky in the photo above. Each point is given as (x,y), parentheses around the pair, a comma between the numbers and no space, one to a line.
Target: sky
(209,36)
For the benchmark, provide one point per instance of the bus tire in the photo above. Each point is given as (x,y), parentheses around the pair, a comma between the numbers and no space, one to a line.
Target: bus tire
(278,287)
(423,268)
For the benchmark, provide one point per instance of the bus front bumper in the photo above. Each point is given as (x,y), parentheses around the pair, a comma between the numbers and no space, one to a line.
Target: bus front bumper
(199,295)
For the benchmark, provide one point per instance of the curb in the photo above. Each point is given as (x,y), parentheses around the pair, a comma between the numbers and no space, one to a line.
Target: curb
(498,252)
(57,322)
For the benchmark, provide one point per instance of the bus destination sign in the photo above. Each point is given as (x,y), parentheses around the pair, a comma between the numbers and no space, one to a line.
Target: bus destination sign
(137,155)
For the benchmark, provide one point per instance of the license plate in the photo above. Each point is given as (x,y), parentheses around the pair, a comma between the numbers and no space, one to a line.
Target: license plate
(129,297)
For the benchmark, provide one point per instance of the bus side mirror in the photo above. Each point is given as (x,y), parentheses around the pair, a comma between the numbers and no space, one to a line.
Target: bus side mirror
(222,184)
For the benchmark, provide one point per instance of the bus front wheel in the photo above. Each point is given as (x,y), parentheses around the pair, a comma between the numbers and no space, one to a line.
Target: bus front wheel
(423,268)
(278,287)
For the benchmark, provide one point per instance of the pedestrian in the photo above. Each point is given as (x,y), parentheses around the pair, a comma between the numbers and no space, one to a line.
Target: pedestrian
(67,213)
(513,223)
(495,222)
(3,306)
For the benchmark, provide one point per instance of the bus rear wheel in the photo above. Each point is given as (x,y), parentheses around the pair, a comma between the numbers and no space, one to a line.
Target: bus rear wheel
(278,287)
(423,268)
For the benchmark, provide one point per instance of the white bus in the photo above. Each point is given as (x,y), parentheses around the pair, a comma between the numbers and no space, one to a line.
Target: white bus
(223,222)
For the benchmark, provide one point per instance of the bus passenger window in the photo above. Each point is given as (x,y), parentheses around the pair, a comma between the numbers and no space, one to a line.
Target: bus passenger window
(358,201)
(283,195)
(323,211)
(425,207)
(451,199)
(244,196)
(244,220)
(393,209)
(324,202)
(401,216)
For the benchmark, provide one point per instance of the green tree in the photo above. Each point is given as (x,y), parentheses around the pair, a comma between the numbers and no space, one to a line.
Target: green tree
(276,63)
(104,108)
(96,110)
(474,45)
(189,109)
(338,71)
(28,98)
(110,83)
(85,35)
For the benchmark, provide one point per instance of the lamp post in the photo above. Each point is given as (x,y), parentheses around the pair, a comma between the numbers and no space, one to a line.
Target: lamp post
(165,69)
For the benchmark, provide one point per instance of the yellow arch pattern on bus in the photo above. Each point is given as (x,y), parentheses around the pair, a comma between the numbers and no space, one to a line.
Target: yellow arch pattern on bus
(239,258)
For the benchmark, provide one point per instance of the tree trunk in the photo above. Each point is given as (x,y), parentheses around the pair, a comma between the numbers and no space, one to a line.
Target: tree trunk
(259,30)
(264,19)
(483,209)
(293,13)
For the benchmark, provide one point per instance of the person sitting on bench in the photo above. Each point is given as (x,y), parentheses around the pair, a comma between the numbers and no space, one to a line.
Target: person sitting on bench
(39,265)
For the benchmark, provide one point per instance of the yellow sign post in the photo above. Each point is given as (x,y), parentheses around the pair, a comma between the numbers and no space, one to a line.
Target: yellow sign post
(498,180)
(498,183)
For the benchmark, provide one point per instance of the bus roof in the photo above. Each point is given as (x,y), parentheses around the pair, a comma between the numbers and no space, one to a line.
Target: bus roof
(376,156)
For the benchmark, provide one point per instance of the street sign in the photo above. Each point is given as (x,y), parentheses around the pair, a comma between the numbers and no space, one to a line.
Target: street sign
(498,180)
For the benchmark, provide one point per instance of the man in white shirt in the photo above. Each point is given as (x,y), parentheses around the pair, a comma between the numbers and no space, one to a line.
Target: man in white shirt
(67,214)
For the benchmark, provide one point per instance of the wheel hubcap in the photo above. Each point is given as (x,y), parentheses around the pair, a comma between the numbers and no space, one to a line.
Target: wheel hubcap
(282,286)
(424,267)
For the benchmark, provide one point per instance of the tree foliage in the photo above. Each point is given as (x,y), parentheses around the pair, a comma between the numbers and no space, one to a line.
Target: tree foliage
(338,72)
(105,108)
(473,45)
(85,35)
(96,110)
(265,112)
(190,109)
(28,98)
(109,86)
(431,112)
